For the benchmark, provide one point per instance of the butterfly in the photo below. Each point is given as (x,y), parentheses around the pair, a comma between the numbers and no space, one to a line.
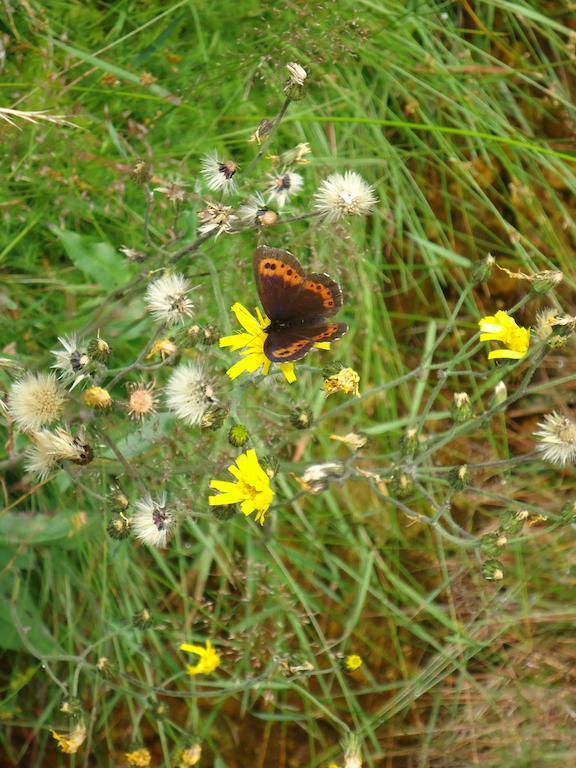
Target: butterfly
(297,304)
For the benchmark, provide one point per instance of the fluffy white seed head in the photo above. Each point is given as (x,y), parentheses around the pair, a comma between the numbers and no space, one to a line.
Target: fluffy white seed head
(557,439)
(166,299)
(219,174)
(50,448)
(153,522)
(72,360)
(189,393)
(343,195)
(35,401)
(283,186)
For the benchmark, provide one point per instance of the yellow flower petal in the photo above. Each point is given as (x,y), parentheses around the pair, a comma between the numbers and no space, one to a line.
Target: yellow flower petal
(251,490)
(510,354)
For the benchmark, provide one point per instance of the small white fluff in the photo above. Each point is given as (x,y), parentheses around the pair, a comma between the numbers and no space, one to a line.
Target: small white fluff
(166,299)
(218,174)
(72,361)
(283,186)
(154,522)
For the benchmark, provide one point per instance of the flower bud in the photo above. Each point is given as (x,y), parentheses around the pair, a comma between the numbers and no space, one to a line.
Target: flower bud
(491,543)
(295,85)
(500,393)
(142,619)
(118,528)
(409,442)
(270,465)
(99,349)
(481,270)
(301,417)
(213,418)
(461,408)
(459,477)
(513,521)
(546,281)
(493,570)
(238,435)
(352,662)
(401,485)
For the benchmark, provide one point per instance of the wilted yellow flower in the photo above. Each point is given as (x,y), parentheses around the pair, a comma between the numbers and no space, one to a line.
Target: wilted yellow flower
(70,743)
(208,659)
(353,662)
(502,327)
(164,348)
(346,381)
(251,490)
(139,758)
(97,397)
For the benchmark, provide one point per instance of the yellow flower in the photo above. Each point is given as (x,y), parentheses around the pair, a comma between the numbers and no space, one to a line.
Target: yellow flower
(139,758)
(251,489)
(251,345)
(502,327)
(346,381)
(208,660)
(70,743)
(353,662)
(97,397)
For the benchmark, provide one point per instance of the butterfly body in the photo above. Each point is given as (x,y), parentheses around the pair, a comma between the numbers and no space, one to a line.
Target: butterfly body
(297,305)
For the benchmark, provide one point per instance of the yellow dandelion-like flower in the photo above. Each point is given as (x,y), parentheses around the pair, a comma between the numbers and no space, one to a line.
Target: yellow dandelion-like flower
(251,345)
(502,327)
(346,381)
(139,758)
(353,662)
(251,490)
(97,397)
(208,658)
(70,743)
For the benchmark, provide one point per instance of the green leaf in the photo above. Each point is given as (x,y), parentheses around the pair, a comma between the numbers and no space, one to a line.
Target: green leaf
(99,261)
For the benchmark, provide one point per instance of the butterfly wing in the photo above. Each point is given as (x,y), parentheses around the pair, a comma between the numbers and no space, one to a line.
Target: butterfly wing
(287,294)
(279,280)
(285,345)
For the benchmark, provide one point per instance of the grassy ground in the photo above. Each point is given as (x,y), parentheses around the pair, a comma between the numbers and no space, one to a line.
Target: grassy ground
(461,118)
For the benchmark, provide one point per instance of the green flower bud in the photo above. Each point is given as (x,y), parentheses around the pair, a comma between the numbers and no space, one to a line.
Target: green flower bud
(301,417)
(500,393)
(238,435)
(513,522)
(142,619)
(71,707)
(117,499)
(459,477)
(493,570)
(401,485)
(270,465)
(491,543)
(409,442)
(461,407)
(213,418)
(118,527)
(481,270)
(546,281)
(99,349)
(140,173)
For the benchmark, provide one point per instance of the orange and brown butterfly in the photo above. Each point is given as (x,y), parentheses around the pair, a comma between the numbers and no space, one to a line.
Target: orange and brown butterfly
(297,304)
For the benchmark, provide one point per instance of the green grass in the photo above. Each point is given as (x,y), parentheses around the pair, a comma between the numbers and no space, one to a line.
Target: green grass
(461,117)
